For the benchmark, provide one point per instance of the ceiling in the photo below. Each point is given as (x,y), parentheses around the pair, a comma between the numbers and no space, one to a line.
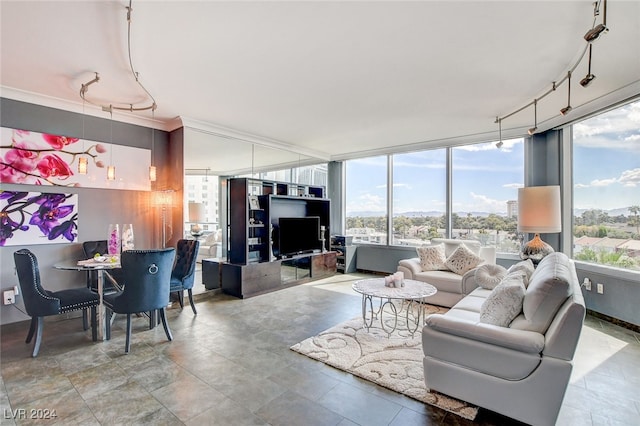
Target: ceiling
(260,84)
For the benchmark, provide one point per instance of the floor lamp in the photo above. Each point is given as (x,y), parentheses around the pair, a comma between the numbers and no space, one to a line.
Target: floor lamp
(164,199)
(538,213)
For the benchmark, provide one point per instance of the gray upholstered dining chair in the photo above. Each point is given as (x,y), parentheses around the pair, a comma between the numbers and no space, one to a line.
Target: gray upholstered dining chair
(184,271)
(147,274)
(40,302)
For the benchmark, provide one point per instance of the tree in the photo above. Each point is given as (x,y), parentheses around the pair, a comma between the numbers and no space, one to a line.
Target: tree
(635,219)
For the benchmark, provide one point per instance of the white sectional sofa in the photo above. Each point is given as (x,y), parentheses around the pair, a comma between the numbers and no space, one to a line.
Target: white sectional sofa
(522,369)
(451,287)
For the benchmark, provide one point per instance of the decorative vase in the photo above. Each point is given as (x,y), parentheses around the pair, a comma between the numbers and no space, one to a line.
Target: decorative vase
(113,240)
(127,237)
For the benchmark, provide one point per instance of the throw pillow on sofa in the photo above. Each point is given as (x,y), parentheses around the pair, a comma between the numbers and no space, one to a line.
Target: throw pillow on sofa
(432,257)
(526,266)
(504,303)
(462,260)
(489,276)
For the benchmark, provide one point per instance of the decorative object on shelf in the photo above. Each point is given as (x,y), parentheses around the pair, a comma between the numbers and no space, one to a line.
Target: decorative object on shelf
(37,218)
(113,239)
(538,212)
(127,237)
(322,231)
(254,204)
(197,215)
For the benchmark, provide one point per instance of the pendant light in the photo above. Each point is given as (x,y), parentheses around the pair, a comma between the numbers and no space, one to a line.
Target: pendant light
(595,32)
(152,169)
(499,143)
(111,170)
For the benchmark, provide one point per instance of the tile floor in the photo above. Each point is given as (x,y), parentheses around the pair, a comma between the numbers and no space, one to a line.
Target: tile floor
(230,365)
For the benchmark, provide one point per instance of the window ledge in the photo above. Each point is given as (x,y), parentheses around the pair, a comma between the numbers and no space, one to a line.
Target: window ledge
(625,274)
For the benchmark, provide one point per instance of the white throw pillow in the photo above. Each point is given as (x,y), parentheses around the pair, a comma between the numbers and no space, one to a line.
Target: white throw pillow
(525,266)
(489,276)
(432,257)
(504,303)
(462,260)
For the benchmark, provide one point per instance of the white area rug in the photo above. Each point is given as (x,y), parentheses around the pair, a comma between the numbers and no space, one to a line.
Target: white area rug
(394,362)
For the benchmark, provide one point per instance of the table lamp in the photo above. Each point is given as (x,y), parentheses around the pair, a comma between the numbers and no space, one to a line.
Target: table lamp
(538,212)
(197,215)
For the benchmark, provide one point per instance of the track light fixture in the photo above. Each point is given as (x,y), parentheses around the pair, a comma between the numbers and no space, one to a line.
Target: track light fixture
(499,143)
(595,32)
(123,106)
(565,110)
(532,130)
(590,36)
(589,77)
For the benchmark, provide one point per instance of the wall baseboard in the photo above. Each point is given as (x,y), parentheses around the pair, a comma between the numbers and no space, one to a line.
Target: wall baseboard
(616,321)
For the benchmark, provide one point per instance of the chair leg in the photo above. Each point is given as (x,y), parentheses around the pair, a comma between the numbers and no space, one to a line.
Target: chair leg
(193,306)
(107,323)
(36,345)
(181,298)
(165,324)
(94,323)
(32,329)
(153,319)
(85,320)
(128,343)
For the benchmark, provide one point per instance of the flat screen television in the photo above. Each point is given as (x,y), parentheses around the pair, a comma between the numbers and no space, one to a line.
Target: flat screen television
(299,235)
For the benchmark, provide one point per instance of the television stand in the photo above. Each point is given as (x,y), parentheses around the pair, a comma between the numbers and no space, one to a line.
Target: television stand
(258,278)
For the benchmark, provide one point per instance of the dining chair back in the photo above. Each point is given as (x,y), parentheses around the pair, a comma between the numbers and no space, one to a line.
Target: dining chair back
(147,274)
(184,270)
(40,302)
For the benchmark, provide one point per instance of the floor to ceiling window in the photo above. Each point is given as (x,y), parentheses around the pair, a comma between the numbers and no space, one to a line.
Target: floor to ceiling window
(202,189)
(485,182)
(366,200)
(606,193)
(419,196)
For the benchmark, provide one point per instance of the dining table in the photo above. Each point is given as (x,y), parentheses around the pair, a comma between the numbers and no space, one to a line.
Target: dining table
(101,266)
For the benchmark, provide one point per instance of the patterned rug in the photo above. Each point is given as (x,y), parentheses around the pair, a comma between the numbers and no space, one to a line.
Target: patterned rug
(394,362)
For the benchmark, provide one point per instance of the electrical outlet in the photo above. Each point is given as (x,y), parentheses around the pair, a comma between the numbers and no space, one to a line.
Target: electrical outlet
(587,283)
(9,297)
(600,288)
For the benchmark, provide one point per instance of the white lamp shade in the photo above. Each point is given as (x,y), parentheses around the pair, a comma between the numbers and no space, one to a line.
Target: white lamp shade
(539,209)
(197,212)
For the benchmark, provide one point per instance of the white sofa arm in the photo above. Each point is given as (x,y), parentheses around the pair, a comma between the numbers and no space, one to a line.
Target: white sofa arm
(409,267)
(469,281)
(520,340)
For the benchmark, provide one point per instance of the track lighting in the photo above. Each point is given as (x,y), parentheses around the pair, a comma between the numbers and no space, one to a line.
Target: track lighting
(532,130)
(596,31)
(565,110)
(589,77)
(499,143)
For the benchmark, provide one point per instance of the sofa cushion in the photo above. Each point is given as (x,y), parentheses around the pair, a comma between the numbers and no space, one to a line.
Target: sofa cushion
(432,257)
(525,266)
(549,287)
(505,301)
(462,260)
(444,281)
(450,245)
(489,276)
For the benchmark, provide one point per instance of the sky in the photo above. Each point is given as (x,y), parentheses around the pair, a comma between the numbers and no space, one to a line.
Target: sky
(606,172)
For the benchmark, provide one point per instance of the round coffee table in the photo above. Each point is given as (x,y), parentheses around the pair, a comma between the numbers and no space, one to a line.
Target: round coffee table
(412,295)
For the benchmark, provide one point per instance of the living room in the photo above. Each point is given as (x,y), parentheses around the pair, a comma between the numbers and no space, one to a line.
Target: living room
(545,158)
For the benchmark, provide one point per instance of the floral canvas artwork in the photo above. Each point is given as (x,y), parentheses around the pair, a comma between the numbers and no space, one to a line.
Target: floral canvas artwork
(44,159)
(37,218)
